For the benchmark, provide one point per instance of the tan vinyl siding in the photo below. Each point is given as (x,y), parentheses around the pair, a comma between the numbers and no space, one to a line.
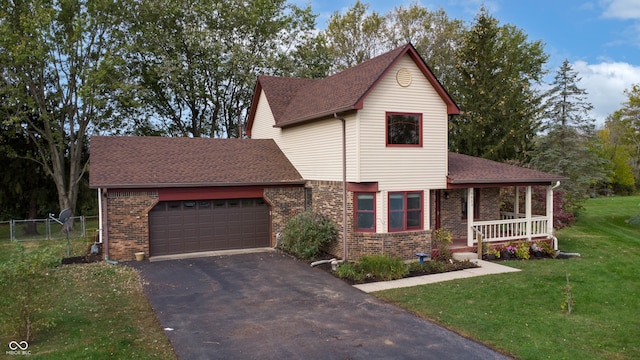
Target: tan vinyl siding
(403,168)
(315,148)
(264,121)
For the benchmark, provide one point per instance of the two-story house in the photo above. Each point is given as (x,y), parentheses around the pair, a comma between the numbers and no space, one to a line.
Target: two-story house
(366,146)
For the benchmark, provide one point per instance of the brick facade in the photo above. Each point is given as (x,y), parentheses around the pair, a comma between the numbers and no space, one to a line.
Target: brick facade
(451,209)
(128,222)
(285,203)
(327,200)
(128,217)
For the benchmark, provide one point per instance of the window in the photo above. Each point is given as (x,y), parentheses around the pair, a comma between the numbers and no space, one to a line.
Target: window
(476,204)
(308,198)
(365,212)
(404,129)
(405,211)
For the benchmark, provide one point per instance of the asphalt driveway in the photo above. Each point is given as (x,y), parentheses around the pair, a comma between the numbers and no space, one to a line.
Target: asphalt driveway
(270,306)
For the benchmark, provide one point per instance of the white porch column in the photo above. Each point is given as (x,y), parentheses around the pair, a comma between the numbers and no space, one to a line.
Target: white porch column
(516,203)
(550,210)
(470,207)
(528,213)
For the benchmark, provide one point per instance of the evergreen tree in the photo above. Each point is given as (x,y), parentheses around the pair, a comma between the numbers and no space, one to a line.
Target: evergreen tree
(497,68)
(569,146)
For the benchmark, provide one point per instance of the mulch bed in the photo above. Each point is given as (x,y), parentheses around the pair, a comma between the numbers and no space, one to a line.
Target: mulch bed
(455,266)
(85,259)
(82,259)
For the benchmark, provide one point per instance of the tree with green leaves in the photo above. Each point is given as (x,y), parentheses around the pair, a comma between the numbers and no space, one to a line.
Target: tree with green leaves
(625,124)
(498,69)
(26,191)
(58,79)
(622,178)
(435,36)
(194,64)
(355,36)
(568,145)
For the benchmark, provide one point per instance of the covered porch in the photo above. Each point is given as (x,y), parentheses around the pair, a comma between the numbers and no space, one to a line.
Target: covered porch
(512,225)
(486,217)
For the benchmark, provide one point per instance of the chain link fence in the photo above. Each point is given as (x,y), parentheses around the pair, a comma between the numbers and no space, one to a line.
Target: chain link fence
(47,229)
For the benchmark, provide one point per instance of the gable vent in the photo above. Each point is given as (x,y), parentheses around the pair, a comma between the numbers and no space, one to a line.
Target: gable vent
(403,77)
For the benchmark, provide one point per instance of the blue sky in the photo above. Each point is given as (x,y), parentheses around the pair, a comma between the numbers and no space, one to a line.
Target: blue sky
(600,38)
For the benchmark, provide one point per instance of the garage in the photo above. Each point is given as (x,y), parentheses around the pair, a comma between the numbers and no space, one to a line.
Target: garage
(169,196)
(178,227)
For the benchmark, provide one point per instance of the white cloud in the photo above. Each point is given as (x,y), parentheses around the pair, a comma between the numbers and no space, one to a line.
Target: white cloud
(605,84)
(622,9)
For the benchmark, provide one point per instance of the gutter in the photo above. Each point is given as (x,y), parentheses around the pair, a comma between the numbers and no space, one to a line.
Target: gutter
(317,116)
(195,185)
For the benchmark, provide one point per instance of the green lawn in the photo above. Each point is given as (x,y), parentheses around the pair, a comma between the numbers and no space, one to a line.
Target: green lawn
(99,311)
(521,313)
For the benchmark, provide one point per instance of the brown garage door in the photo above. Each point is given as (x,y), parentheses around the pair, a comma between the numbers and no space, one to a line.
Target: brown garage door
(177,227)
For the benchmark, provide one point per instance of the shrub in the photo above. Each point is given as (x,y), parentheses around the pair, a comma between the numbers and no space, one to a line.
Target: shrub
(350,271)
(380,267)
(306,233)
(24,302)
(522,251)
(547,249)
(383,267)
(442,239)
(435,267)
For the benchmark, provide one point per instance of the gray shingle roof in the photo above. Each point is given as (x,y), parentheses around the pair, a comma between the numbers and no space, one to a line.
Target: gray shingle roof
(143,162)
(469,170)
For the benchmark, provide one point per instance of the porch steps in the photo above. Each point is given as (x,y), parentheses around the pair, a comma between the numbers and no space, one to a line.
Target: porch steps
(462,256)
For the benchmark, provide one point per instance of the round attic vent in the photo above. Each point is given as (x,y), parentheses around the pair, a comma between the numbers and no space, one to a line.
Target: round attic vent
(403,77)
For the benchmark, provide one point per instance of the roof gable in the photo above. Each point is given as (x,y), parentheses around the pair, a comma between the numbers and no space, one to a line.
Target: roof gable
(153,162)
(295,100)
(465,170)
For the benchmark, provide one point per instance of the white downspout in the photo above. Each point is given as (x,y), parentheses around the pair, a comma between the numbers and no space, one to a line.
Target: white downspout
(100,215)
(105,244)
(470,208)
(344,186)
(550,215)
(528,212)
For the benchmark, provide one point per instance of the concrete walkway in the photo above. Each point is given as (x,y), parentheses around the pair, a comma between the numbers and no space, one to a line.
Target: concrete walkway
(486,268)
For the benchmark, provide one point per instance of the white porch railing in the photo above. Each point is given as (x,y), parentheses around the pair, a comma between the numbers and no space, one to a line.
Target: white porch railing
(511,228)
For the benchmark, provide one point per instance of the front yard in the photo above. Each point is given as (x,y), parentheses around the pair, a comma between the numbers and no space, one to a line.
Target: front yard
(522,313)
(93,311)
(99,311)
